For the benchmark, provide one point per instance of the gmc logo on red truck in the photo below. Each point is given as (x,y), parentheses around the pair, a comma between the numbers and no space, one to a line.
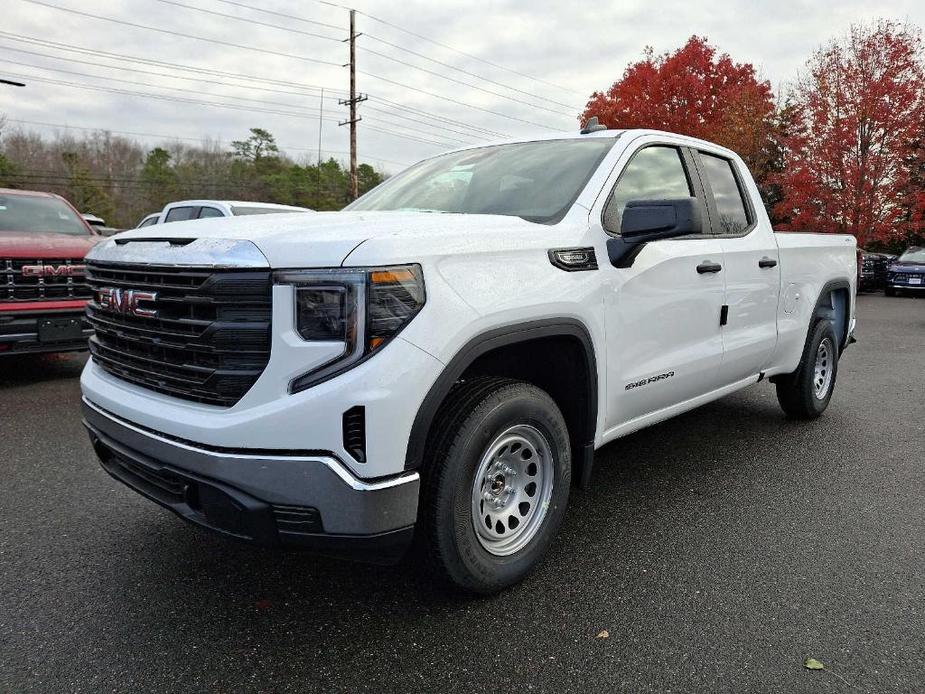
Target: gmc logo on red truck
(126,301)
(53,270)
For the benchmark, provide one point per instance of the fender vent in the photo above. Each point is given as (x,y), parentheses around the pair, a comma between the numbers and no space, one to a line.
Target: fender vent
(355,433)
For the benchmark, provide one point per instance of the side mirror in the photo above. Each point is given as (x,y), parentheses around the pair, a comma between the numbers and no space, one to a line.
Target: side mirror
(652,220)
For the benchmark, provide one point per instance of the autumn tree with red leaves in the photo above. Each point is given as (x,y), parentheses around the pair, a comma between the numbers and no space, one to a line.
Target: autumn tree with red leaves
(850,162)
(693,91)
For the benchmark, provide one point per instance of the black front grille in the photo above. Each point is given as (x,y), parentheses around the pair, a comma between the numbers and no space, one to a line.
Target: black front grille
(45,279)
(210,338)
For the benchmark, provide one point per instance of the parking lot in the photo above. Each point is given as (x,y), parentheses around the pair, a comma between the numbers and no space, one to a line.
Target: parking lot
(718,550)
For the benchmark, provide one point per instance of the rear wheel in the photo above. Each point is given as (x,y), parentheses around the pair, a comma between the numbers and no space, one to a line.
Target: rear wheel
(496,483)
(806,392)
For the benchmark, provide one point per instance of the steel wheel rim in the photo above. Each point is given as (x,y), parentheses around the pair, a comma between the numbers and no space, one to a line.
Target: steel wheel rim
(511,490)
(822,371)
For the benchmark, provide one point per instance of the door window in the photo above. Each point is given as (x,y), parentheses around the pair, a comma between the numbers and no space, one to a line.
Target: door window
(730,205)
(654,173)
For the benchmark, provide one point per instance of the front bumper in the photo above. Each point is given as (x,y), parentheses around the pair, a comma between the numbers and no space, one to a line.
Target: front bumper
(20,331)
(892,284)
(304,499)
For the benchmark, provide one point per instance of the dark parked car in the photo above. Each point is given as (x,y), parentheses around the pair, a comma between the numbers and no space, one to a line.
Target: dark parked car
(872,271)
(907,272)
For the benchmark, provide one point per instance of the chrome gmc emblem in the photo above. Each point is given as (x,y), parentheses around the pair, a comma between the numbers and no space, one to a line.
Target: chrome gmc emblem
(53,270)
(126,301)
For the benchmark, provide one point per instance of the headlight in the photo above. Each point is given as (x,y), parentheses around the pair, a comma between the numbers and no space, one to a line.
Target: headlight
(360,308)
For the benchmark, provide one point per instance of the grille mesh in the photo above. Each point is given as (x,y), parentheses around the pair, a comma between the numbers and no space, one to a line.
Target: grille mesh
(209,341)
(15,286)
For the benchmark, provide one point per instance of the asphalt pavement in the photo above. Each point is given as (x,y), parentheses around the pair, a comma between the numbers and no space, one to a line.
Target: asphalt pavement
(718,551)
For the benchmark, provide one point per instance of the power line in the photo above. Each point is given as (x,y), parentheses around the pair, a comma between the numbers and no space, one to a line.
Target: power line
(249,21)
(458,69)
(193,91)
(403,107)
(160,63)
(147,72)
(287,55)
(70,48)
(465,84)
(450,48)
(388,57)
(281,14)
(157,86)
(456,101)
(218,42)
(201,140)
(164,97)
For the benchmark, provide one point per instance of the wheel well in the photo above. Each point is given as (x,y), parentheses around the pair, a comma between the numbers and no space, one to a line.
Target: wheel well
(558,365)
(556,355)
(833,305)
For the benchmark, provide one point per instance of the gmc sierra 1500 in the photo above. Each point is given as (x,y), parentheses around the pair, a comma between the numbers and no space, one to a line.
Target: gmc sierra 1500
(43,292)
(443,357)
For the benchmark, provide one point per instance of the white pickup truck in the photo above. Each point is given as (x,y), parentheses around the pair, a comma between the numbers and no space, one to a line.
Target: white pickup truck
(441,359)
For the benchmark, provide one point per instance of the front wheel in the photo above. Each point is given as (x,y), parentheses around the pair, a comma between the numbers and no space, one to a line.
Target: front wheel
(496,483)
(806,392)
(889,291)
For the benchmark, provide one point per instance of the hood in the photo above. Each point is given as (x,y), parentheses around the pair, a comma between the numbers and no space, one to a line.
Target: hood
(45,245)
(325,239)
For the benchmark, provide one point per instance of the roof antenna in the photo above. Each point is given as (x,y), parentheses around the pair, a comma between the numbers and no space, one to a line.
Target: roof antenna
(592,126)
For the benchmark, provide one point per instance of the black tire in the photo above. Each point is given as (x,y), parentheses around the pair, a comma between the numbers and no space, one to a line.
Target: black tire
(471,420)
(889,291)
(797,392)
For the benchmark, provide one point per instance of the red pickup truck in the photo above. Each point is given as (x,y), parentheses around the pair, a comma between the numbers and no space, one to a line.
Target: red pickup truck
(43,291)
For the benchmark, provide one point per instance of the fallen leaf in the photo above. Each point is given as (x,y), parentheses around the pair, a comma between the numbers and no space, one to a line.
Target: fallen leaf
(264,604)
(813,664)
(603,634)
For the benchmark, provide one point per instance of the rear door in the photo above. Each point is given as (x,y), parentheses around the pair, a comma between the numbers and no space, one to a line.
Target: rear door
(751,266)
(662,313)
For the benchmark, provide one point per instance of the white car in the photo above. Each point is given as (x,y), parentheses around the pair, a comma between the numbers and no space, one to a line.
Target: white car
(443,357)
(184,210)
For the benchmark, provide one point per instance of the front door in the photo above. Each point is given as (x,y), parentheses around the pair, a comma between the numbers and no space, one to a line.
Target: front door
(664,344)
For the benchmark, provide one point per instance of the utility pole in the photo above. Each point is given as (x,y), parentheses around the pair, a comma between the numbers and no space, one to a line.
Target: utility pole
(320,124)
(352,102)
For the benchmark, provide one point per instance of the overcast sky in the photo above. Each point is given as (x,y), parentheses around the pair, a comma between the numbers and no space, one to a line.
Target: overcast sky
(543,59)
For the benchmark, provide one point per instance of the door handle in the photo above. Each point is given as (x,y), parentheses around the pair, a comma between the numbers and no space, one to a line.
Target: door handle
(767,262)
(708,266)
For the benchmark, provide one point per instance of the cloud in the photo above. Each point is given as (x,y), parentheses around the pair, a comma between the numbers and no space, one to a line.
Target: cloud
(580,47)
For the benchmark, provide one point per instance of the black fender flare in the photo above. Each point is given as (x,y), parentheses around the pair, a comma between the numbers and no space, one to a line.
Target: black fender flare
(819,308)
(502,337)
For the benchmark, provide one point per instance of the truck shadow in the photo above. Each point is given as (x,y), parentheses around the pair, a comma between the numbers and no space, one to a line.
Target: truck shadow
(25,369)
(181,580)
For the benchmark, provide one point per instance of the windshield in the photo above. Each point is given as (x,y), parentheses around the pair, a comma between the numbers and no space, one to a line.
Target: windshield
(913,255)
(33,214)
(537,181)
(239,211)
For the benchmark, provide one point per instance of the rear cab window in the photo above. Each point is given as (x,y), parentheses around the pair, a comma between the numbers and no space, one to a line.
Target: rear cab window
(206,212)
(732,210)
